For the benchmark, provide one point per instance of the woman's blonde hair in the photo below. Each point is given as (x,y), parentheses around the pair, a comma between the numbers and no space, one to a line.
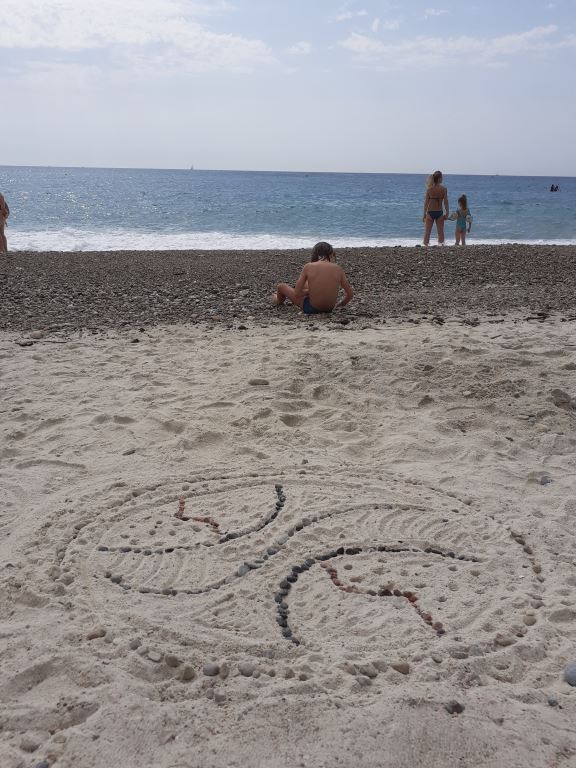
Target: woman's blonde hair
(434,178)
(463,202)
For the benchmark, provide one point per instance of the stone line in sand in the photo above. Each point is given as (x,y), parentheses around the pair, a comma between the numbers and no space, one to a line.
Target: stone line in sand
(230,486)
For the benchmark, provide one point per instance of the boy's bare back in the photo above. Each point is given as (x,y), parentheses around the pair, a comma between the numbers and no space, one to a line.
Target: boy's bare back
(324,280)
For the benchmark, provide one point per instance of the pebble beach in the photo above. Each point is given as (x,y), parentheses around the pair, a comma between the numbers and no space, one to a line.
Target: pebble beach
(232,535)
(108,290)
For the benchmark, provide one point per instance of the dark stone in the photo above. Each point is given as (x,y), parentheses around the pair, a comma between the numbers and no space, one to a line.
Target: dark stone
(454,707)
(116,579)
(102,549)
(298,526)
(279,596)
(147,552)
(125,549)
(296,569)
(570,673)
(282,621)
(169,550)
(285,584)
(287,632)
(340,551)
(293,578)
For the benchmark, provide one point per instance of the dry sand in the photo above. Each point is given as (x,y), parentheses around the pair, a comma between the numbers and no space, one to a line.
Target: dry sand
(436,461)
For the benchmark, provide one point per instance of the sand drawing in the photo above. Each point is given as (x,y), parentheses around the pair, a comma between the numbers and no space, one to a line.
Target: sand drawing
(396,549)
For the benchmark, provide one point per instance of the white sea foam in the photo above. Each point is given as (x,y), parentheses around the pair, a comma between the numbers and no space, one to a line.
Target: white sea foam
(137,240)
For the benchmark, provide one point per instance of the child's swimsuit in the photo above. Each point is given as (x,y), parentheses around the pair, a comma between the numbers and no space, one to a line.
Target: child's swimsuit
(462,218)
(308,309)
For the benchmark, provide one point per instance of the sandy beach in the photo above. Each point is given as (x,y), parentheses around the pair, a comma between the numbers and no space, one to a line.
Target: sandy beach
(236,536)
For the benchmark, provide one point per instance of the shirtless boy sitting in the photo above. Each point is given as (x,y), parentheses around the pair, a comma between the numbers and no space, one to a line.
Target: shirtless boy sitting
(317,288)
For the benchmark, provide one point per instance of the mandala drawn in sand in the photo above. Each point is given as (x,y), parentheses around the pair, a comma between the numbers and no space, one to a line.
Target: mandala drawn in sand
(292,557)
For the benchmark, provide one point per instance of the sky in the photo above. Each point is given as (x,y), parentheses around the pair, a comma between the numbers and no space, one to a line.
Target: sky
(314,85)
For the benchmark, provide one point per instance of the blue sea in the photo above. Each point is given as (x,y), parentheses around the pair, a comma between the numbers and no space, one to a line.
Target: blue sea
(69,209)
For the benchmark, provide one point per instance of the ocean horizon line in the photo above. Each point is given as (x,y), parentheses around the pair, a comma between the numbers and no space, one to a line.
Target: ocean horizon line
(194,169)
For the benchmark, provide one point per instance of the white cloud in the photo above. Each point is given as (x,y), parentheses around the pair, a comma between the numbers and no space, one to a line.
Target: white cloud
(435,51)
(300,49)
(378,24)
(174,28)
(434,12)
(347,15)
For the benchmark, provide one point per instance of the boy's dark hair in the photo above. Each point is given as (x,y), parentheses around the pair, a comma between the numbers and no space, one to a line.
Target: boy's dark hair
(322,252)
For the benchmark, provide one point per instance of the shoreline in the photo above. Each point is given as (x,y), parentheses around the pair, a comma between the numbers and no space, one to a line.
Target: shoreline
(107,289)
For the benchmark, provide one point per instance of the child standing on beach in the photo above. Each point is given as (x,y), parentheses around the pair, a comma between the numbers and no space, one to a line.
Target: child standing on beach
(463,219)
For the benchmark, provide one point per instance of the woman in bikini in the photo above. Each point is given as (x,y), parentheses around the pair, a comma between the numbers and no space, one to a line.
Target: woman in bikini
(436,198)
(4,213)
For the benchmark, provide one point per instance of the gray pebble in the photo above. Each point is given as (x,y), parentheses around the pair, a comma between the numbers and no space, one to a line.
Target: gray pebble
(219,697)
(570,673)
(552,701)
(43,764)
(172,661)
(246,668)
(242,570)
(29,743)
(135,644)
(364,681)
(211,669)
(369,670)
(155,656)
(454,707)
(224,671)
(96,633)
(187,673)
